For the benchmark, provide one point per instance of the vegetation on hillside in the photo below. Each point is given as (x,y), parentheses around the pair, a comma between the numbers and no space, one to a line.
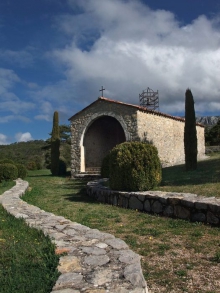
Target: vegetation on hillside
(212,135)
(35,154)
(26,153)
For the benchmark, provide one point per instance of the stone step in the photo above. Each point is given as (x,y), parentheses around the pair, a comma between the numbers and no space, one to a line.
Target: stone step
(93,170)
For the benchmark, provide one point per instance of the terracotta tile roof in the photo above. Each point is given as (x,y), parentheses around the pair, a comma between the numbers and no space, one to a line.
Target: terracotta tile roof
(140,108)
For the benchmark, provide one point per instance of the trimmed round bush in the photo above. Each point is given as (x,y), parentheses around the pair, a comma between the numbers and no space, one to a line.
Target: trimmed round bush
(134,166)
(22,171)
(8,172)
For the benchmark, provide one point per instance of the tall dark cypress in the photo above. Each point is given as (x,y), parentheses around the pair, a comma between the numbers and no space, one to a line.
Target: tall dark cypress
(190,135)
(55,145)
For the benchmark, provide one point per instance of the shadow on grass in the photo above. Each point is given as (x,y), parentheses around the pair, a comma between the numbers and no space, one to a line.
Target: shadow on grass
(80,194)
(40,175)
(207,172)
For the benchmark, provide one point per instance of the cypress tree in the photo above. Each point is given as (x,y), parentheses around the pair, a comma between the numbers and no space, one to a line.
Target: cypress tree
(55,145)
(190,136)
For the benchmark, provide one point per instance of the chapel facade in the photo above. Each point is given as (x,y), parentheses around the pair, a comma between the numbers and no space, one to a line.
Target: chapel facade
(103,124)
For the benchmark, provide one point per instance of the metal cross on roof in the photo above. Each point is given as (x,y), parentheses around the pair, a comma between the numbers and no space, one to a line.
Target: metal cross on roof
(101,90)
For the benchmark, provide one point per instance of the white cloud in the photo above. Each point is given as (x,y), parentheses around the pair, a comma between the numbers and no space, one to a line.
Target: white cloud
(7,80)
(3,139)
(133,47)
(9,118)
(9,102)
(23,136)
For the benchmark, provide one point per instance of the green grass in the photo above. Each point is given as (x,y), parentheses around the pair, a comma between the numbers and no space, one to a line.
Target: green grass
(27,259)
(204,181)
(177,256)
(5,185)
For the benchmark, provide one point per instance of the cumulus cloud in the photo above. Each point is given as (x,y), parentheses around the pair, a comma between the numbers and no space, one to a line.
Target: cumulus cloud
(127,47)
(3,139)
(23,136)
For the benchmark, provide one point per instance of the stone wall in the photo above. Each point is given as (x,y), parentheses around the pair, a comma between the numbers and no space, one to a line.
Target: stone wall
(168,136)
(185,206)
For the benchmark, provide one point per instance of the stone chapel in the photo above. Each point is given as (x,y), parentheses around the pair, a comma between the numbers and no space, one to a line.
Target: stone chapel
(103,124)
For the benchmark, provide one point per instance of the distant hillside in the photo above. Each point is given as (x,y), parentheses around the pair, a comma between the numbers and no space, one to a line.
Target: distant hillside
(33,151)
(208,120)
(24,152)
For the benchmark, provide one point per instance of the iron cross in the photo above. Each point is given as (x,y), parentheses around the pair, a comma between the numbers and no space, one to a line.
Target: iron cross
(101,90)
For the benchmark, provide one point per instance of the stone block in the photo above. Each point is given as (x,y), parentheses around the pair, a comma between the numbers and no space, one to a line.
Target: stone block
(168,211)
(215,208)
(157,207)
(198,217)
(135,204)
(181,212)
(201,205)
(212,219)
(147,207)
(173,201)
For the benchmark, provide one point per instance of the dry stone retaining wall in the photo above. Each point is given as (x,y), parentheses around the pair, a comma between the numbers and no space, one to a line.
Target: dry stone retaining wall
(185,206)
(95,262)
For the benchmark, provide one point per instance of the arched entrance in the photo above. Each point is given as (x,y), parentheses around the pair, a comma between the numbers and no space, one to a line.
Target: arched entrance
(101,136)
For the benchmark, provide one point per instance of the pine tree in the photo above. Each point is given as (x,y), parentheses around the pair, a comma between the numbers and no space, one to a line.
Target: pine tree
(190,136)
(55,145)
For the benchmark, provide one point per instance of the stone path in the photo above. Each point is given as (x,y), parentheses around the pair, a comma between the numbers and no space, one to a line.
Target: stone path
(95,262)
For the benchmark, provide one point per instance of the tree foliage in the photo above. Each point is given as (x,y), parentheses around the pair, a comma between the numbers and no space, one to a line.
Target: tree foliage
(55,145)
(212,135)
(24,152)
(190,135)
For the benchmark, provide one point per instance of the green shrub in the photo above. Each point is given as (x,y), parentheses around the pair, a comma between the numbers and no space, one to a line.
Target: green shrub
(8,172)
(22,171)
(31,165)
(6,161)
(105,167)
(134,166)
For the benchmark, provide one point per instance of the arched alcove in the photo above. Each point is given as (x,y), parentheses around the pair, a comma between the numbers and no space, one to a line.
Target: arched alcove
(102,135)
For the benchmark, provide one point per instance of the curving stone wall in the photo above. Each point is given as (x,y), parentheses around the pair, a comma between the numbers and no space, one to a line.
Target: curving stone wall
(95,262)
(185,206)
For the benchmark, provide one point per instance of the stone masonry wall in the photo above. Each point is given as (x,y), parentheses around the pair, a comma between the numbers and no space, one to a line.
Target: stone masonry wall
(185,206)
(168,136)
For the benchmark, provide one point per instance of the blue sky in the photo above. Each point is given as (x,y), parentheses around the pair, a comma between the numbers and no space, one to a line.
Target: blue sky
(56,54)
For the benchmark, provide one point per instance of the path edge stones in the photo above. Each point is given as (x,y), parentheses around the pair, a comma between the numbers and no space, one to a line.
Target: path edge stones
(94,262)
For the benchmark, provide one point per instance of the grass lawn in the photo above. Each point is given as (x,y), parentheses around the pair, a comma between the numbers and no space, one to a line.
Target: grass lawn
(204,181)
(27,259)
(177,256)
